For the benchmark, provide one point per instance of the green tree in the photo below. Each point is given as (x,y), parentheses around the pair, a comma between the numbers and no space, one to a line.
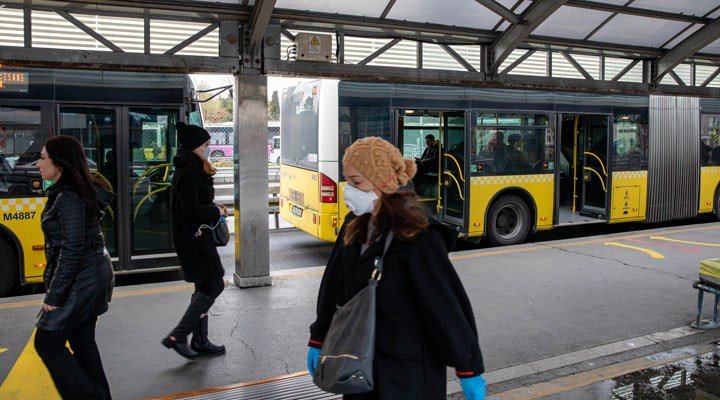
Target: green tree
(274,107)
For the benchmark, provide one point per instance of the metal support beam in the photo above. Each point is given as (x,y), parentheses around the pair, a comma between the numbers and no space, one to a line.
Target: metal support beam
(252,238)
(549,64)
(340,43)
(86,59)
(387,9)
(419,55)
(500,10)
(458,58)
(371,73)
(379,51)
(625,70)
(711,77)
(691,45)
(192,39)
(518,61)
(676,78)
(287,34)
(577,65)
(146,32)
(602,67)
(259,19)
(641,12)
(100,38)
(27,27)
(538,12)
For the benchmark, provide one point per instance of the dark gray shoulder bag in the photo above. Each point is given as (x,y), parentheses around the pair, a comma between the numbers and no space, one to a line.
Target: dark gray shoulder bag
(346,358)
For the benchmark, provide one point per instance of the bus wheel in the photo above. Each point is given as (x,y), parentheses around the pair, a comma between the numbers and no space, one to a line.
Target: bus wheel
(8,268)
(508,221)
(277,161)
(217,153)
(717,204)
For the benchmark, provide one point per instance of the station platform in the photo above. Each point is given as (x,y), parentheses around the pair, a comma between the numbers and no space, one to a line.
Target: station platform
(555,319)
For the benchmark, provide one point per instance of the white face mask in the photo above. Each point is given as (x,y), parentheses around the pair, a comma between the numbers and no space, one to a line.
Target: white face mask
(358,201)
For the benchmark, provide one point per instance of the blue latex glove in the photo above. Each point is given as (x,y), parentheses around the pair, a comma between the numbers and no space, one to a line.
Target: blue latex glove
(312,359)
(474,388)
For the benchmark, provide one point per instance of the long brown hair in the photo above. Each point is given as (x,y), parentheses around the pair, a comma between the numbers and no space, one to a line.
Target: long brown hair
(67,153)
(399,212)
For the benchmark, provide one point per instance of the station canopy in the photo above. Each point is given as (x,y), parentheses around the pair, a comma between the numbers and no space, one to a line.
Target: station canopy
(606,42)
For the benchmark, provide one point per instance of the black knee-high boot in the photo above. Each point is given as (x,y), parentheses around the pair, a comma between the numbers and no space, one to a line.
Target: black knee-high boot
(177,340)
(200,342)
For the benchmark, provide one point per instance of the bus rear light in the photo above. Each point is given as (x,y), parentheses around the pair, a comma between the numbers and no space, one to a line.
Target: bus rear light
(38,247)
(328,190)
(334,221)
(38,266)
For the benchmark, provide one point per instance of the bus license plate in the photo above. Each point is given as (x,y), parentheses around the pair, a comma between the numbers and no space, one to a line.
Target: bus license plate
(297,211)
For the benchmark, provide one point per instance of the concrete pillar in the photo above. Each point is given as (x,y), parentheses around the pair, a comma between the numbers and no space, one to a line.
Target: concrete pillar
(252,240)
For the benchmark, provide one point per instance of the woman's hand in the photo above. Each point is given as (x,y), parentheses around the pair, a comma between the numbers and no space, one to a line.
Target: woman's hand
(223,210)
(47,307)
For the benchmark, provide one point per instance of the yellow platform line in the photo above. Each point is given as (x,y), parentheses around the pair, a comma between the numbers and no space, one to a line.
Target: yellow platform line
(684,241)
(29,379)
(586,378)
(651,253)
(2,350)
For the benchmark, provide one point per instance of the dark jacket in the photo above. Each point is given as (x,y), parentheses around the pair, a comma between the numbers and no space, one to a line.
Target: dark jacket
(78,276)
(424,318)
(191,205)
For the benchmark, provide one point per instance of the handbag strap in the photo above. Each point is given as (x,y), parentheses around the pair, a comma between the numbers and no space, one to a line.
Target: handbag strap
(377,273)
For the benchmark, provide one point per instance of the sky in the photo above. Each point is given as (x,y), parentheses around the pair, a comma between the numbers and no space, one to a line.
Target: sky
(274,83)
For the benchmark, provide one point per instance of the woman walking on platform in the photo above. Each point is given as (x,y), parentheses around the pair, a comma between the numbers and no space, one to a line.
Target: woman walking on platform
(424,321)
(191,204)
(78,276)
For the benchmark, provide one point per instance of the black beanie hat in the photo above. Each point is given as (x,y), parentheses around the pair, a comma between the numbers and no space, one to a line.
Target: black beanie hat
(191,136)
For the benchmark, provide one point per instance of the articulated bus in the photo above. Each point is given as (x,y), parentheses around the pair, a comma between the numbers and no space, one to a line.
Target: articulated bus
(511,161)
(126,123)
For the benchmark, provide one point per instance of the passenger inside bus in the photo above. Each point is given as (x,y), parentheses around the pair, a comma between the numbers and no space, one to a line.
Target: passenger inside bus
(427,165)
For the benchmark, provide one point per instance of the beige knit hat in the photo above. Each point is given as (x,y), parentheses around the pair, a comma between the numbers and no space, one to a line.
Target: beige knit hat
(381,163)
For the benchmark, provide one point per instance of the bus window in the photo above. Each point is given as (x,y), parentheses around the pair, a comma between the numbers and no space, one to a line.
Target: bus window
(709,140)
(21,140)
(300,116)
(511,143)
(629,150)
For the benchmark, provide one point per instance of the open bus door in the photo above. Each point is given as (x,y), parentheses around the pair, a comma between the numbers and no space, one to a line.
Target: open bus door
(583,173)
(453,192)
(441,179)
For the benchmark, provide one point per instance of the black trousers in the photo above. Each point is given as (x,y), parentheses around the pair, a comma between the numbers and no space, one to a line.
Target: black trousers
(79,375)
(211,288)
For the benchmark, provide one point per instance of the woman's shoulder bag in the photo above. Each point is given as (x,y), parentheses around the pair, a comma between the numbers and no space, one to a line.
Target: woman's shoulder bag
(220,232)
(346,358)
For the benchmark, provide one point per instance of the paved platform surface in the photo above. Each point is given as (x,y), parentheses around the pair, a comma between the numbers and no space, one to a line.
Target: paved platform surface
(543,311)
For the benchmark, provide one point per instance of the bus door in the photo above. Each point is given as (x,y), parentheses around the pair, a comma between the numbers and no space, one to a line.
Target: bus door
(453,191)
(130,149)
(97,129)
(149,146)
(583,168)
(595,131)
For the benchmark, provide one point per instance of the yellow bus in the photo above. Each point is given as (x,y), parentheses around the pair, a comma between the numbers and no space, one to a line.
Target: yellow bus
(126,122)
(511,161)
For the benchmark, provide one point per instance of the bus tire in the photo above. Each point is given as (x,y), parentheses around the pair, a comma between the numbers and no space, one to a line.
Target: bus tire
(508,221)
(8,268)
(277,161)
(717,203)
(217,153)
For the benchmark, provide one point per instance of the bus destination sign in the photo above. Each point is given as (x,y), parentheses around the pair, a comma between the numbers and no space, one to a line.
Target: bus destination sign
(13,81)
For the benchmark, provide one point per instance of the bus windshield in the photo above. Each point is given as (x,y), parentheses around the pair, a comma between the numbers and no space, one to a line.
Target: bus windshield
(299,115)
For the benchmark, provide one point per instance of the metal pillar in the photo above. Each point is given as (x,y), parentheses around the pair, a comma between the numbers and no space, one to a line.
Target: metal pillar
(252,240)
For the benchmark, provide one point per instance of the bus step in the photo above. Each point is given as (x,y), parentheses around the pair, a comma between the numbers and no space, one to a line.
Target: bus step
(292,387)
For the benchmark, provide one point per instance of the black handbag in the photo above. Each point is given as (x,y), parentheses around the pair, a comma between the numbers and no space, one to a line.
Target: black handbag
(220,232)
(346,357)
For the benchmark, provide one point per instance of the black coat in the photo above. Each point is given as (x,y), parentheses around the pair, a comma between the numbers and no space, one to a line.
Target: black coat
(78,277)
(191,205)
(424,318)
